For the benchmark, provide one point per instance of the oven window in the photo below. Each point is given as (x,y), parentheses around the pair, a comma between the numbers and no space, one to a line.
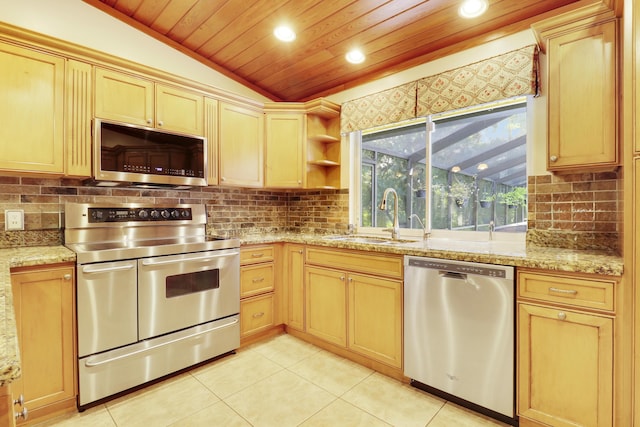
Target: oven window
(189,283)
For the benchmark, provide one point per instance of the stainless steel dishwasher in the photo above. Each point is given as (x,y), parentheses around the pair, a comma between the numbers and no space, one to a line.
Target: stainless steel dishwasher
(459,333)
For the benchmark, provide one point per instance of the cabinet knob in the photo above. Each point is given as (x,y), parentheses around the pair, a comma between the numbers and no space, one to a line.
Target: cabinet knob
(160,123)
(562,315)
(553,158)
(300,251)
(67,277)
(24,414)
(149,121)
(342,278)
(223,179)
(19,400)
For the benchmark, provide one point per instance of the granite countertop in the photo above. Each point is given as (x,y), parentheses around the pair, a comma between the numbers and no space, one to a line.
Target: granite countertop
(495,252)
(19,257)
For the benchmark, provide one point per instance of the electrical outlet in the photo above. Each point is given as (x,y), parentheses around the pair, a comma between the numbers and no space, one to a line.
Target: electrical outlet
(14,219)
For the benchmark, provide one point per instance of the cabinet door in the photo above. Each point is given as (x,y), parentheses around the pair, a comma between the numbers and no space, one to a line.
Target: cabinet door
(179,110)
(256,279)
(31,111)
(78,116)
(124,98)
(241,146)
(565,367)
(582,99)
(256,314)
(325,304)
(294,272)
(375,318)
(44,302)
(284,150)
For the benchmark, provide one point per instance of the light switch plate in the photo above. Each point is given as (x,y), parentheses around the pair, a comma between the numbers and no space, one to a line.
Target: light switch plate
(14,219)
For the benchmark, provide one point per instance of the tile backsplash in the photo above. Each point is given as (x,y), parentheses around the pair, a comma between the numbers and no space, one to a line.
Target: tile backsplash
(581,211)
(231,211)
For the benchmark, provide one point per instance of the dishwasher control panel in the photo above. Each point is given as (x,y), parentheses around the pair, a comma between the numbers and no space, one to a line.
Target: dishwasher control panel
(479,269)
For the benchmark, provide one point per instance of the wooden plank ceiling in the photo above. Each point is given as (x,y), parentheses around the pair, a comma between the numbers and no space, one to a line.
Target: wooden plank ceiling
(235,37)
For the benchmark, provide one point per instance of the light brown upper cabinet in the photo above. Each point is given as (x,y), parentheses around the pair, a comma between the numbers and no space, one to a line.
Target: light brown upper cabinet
(136,100)
(284,152)
(582,61)
(31,111)
(241,143)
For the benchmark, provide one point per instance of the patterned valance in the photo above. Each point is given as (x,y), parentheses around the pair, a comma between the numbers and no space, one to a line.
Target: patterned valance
(501,77)
(505,76)
(390,106)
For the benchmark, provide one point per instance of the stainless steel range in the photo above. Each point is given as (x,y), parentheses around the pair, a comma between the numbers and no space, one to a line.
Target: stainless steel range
(154,293)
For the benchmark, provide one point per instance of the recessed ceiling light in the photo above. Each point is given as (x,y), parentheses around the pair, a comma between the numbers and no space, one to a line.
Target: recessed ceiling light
(483,166)
(284,33)
(455,169)
(472,8)
(355,56)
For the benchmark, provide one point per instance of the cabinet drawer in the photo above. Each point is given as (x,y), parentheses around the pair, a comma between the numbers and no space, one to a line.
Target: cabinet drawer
(256,314)
(576,291)
(361,262)
(256,279)
(256,254)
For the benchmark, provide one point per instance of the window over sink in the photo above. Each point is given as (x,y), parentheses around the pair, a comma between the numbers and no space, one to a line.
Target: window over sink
(468,173)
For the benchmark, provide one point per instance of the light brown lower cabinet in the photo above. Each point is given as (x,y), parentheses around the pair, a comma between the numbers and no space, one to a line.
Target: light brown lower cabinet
(565,352)
(293,272)
(44,302)
(354,300)
(257,289)
(6,407)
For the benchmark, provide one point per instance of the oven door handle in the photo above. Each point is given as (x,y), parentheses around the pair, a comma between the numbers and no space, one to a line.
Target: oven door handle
(89,269)
(176,261)
(90,364)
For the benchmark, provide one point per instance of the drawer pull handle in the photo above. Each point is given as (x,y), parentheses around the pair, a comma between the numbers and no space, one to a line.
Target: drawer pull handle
(563,291)
(260,255)
(258,279)
(257,315)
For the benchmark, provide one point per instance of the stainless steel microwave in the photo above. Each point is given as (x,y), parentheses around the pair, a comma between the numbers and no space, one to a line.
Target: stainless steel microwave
(132,155)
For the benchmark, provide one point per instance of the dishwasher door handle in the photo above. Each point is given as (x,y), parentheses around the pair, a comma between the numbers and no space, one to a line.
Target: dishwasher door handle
(452,275)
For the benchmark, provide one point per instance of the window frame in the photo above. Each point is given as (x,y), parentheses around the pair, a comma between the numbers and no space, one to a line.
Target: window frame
(355,140)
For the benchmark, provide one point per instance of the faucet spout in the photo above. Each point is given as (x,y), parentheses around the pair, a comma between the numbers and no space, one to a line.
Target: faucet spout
(395,231)
(492,228)
(425,232)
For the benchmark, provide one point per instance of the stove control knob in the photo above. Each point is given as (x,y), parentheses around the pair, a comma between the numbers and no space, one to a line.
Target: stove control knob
(155,214)
(142,214)
(175,214)
(185,213)
(165,213)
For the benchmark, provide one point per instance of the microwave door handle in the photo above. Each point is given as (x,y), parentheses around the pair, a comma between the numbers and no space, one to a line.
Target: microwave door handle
(89,269)
(175,261)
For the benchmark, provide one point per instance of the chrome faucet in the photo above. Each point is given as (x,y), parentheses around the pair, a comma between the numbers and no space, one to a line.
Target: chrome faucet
(425,233)
(395,231)
(492,228)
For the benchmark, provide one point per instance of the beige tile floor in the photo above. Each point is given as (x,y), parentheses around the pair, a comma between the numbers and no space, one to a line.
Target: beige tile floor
(279,382)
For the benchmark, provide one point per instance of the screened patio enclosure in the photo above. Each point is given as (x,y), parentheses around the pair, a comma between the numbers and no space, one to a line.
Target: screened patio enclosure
(477,172)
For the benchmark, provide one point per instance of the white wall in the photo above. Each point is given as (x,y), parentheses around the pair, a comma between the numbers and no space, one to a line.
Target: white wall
(77,22)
